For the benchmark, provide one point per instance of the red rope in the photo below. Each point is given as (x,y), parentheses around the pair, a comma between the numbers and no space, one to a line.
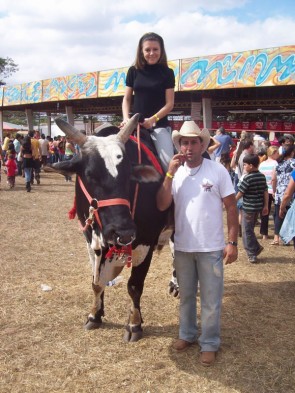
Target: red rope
(139,161)
(72,213)
(150,155)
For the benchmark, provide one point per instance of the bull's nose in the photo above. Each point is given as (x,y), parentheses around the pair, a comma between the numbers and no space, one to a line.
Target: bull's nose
(125,240)
(120,234)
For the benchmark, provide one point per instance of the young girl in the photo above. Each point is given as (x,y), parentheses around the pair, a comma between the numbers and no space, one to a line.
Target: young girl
(152,82)
(11,169)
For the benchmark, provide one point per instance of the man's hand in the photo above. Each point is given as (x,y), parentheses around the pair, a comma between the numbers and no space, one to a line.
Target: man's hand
(230,254)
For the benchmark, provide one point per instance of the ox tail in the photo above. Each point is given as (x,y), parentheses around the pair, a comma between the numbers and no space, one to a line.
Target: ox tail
(73,211)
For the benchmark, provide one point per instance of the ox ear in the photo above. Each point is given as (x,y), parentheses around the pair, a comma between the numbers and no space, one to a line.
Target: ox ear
(126,131)
(71,132)
(64,167)
(145,174)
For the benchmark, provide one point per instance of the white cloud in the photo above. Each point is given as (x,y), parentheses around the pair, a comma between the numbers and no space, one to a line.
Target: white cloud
(52,38)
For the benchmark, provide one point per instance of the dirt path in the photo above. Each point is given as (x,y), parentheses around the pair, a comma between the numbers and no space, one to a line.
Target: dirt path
(45,349)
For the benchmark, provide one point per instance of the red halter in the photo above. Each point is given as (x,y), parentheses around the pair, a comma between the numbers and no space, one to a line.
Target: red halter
(95,205)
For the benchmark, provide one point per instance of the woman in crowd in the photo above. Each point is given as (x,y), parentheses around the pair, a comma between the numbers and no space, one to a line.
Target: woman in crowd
(288,228)
(280,179)
(26,154)
(267,167)
(152,82)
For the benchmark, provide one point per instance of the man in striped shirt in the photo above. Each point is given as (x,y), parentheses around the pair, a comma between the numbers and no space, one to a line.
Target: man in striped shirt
(253,189)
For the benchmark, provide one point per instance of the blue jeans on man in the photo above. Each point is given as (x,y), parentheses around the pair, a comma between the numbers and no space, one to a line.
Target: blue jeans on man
(203,269)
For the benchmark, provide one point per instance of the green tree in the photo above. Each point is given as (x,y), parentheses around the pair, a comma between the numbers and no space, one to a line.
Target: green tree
(7,68)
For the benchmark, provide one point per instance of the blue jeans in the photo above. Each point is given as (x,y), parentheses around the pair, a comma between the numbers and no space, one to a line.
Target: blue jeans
(163,143)
(250,241)
(28,174)
(205,269)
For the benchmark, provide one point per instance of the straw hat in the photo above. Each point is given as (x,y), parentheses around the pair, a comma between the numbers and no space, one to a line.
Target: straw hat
(190,129)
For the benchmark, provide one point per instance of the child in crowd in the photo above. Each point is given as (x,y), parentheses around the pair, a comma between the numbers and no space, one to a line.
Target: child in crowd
(11,169)
(253,189)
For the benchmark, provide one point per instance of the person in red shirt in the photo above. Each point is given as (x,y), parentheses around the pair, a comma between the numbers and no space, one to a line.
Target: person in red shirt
(11,168)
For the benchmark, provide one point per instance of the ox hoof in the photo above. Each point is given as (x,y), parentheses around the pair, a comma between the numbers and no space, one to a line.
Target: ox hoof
(132,337)
(91,325)
(173,289)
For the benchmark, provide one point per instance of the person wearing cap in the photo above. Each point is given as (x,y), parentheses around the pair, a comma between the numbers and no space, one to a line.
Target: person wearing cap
(199,188)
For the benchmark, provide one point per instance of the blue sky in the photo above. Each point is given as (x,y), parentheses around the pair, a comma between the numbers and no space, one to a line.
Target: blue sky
(51,38)
(261,10)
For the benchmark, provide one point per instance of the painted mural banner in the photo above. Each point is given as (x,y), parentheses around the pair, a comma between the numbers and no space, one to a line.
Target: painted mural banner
(55,89)
(81,86)
(112,82)
(266,67)
(253,68)
(12,95)
(71,87)
(31,93)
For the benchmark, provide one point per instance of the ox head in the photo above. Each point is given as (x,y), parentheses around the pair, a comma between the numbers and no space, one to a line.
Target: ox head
(105,170)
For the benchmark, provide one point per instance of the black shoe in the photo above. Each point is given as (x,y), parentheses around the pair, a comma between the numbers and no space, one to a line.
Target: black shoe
(252,259)
(28,186)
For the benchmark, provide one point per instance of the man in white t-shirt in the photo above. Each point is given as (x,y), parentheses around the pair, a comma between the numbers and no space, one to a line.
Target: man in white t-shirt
(44,146)
(200,188)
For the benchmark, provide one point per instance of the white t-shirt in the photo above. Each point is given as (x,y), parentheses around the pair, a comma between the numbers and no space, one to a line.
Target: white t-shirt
(198,194)
(44,146)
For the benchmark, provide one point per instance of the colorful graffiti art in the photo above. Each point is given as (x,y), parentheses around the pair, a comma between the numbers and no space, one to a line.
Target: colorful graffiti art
(12,95)
(256,68)
(268,67)
(31,93)
(55,89)
(82,86)
(112,83)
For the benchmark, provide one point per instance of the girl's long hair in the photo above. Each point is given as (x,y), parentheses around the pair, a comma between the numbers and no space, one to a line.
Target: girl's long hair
(27,142)
(140,60)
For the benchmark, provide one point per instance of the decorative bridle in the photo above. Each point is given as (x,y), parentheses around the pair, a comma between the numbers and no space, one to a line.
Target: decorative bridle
(94,205)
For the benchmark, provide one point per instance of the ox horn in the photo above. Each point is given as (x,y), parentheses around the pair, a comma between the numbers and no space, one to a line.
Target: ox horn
(127,130)
(71,132)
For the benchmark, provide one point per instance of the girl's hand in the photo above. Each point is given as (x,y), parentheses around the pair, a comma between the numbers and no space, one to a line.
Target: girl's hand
(124,122)
(148,123)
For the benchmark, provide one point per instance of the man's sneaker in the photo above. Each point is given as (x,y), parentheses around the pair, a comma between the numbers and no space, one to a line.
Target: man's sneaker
(259,251)
(252,259)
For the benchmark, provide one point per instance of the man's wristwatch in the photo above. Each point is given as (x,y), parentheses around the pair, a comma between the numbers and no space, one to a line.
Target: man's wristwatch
(233,243)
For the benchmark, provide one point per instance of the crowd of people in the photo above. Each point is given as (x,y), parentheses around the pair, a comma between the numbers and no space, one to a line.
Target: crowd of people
(25,156)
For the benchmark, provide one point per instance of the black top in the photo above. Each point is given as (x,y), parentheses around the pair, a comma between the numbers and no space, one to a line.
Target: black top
(149,86)
(27,146)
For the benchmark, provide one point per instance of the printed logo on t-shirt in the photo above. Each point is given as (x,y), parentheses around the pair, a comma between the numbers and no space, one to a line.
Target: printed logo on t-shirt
(207,185)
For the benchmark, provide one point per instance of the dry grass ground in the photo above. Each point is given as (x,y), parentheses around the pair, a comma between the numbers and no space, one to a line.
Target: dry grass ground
(45,349)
